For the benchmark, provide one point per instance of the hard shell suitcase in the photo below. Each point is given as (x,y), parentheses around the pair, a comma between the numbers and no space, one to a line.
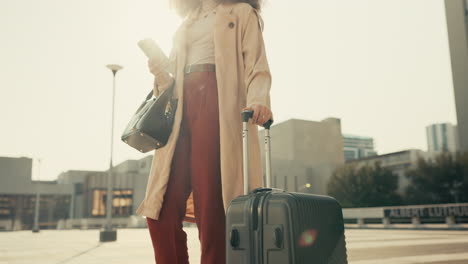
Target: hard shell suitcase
(272,226)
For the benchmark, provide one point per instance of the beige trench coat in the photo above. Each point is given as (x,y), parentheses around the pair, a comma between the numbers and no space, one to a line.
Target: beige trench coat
(243,79)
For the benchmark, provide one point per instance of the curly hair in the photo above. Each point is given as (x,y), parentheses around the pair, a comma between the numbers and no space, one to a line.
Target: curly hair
(183,7)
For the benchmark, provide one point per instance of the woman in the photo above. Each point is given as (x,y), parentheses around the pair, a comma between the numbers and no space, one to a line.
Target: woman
(220,68)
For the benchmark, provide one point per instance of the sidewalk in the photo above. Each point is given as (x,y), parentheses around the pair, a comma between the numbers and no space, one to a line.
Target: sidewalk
(83,246)
(134,246)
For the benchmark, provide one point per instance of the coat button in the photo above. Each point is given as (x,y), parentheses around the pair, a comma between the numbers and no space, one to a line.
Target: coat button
(231,25)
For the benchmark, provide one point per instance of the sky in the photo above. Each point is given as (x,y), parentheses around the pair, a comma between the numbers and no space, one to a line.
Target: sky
(381,66)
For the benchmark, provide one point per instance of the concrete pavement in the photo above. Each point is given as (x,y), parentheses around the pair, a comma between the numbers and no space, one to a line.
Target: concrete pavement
(134,246)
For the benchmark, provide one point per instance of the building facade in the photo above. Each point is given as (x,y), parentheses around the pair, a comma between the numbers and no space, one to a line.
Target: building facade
(442,138)
(74,195)
(305,154)
(90,189)
(356,147)
(398,162)
(18,196)
(457,27)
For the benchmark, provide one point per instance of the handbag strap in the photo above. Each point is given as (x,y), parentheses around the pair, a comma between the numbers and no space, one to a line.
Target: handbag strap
(150,94)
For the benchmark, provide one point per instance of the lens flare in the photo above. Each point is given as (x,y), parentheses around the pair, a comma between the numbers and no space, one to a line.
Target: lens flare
(307,238)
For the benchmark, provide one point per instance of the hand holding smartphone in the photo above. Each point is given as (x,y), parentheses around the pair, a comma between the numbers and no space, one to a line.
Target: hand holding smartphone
(154,53)
(158,64)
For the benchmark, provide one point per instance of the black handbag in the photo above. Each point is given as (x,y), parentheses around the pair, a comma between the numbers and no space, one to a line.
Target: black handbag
(151,125)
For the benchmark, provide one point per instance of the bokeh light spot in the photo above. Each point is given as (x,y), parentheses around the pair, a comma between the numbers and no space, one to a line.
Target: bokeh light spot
(307,238)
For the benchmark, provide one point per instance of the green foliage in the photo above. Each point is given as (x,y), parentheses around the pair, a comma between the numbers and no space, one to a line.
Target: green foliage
(441,180)
(365,186)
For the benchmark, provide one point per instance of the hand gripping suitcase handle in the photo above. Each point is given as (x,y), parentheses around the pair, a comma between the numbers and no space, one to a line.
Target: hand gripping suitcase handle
(246,115)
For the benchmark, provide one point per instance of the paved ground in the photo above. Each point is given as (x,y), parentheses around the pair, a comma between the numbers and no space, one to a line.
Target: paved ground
(134,246)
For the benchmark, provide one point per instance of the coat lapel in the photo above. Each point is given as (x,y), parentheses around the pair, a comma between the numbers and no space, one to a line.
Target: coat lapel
(224,16)
(180,42)
(225,45)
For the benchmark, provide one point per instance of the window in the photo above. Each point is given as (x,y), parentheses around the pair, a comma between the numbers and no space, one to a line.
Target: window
(5,212)
(122,201)
(99,203)
(78,188)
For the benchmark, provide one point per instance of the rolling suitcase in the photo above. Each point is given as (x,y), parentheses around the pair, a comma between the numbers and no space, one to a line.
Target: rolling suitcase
(272,226)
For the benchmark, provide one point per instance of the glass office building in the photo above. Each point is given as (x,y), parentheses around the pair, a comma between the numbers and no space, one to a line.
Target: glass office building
(356,147)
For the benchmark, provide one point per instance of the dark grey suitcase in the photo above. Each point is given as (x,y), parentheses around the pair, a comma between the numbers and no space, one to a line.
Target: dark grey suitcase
(272,226)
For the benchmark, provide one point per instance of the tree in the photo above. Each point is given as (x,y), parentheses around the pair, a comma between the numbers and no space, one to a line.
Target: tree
(443,179)
(364,186)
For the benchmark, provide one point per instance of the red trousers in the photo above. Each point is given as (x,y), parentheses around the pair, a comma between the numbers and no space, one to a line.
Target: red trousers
(195,167)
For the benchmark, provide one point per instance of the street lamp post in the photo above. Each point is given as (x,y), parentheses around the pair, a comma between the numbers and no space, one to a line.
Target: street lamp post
(38,203)
(108,234)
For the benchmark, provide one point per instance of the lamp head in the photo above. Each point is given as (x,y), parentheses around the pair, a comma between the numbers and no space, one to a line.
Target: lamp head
(114,67)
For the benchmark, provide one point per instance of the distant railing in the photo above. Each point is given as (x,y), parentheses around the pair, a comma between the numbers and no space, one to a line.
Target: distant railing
(432,216)
(439,216)
(6,225)
(133,221)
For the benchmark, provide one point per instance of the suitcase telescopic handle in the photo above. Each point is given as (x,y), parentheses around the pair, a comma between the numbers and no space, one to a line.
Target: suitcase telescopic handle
(246,115)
